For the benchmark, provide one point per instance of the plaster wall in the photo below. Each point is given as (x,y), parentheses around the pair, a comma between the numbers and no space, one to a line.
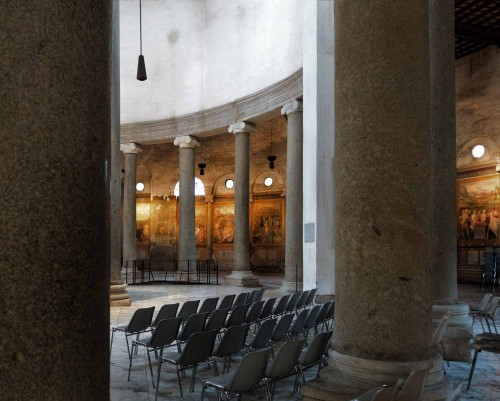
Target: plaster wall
(204,53)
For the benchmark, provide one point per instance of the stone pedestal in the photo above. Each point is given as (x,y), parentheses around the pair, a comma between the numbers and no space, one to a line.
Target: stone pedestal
(241,274)
(294,204)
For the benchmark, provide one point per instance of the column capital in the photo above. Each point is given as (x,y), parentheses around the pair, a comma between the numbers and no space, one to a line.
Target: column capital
(209,198)
(295,106)
(130,148)
(186,141)
(242,126)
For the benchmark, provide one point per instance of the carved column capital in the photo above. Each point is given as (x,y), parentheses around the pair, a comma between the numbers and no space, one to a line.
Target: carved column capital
(295,106)
(130,148)
(242,126)
(186,141)
(209,198)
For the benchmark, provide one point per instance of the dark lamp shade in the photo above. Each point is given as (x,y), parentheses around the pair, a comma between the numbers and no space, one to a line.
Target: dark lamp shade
(141,69)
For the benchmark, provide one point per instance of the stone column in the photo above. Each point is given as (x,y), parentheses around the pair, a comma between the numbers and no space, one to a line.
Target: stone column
(130,152)
(443,181)
(187,240)
(54,200)
(209,198)
(242,273)
(382,191)
(294,205)
(118,293)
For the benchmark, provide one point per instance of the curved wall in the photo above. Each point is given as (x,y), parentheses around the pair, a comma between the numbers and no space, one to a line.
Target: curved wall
(202,54)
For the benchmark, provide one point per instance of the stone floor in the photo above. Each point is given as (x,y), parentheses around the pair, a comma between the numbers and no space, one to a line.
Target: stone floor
(485,384)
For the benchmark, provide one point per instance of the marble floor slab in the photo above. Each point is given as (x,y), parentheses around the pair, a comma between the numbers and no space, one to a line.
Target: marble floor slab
(485,383)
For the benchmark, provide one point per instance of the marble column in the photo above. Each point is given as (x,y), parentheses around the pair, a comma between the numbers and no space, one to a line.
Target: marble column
(242,273)
(55,126)
(382,198)
(118,293)
(294,205)
(209,199)
(187,240)
(130,152)
(443,181)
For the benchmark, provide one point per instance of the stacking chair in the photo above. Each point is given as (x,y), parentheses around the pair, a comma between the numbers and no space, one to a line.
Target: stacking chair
(412,388)
(279,309)
(247,376)
(253,313)
(199,347)
(262,338)
(237,316)
(311,320)
(281,330)
(227,302)
(283,365)
(232,342)
(301,302)
(209,305)
(385,393)
(482,305)
(140,322)
(252,297)
(487,342)
(168,311)
(292,302)
(297,327)
(267,310)
(194,324)
(311,296)
(321,317)
(164,335)
(488,314)
(260,295)
(216,320)
(241,299)
(188,308)
(437,337)
(330,315)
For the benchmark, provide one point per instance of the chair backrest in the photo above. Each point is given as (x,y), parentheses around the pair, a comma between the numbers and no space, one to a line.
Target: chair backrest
(194,324)
(492,307)
(168,311)
(320,318)
(292,302)
(378,394)
(166,332)
(285,360)
(298,324)
(237,316)
(209,305)
(282,328)
(438,334)
(314,353)
(217,320)
(250,371)
(227,301)
(199,348)
(141,320)
(301,302)
(311,317)
(188,308)
(267,309)
(281,305)
(260,295)
(232,342)
(263,336)
(241,299)
(484,302)
(252,297)
(413,386)
(330,314)
(312,295)
(253,313)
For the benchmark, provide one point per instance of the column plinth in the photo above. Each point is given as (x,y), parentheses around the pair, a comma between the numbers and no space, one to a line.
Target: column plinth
(241,274)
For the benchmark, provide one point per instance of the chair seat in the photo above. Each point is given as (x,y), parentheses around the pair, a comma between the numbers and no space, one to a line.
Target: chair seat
(486,337)
(172,357)
(219,382)
(143,341)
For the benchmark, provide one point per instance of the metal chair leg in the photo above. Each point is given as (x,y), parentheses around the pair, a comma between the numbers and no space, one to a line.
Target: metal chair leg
(158,379)
(472,368)
(193,377)
(150,368)
(180,384)
(111,343)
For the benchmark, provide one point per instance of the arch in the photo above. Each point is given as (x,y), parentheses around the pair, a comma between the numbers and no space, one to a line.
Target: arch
(465,159)
(220,187)
(278,184)
(199,187)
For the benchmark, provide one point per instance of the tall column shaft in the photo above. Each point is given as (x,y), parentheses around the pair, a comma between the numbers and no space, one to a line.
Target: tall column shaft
(187,240)
(54,259)
(294,205)
(242,273)
(130,151)
(209,198)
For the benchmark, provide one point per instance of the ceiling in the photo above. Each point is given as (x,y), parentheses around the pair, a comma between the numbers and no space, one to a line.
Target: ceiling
(477,25)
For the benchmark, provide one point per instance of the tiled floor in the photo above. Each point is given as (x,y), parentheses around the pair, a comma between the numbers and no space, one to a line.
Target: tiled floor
(485,383)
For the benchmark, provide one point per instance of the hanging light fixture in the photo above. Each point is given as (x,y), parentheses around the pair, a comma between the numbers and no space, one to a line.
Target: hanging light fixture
(141,66)
(271,158)
(202,168)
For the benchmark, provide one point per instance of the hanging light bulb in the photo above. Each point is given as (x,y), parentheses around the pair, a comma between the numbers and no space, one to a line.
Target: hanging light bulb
(141,66)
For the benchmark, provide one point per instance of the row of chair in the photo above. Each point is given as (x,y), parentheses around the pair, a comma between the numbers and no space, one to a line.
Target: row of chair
(486,310)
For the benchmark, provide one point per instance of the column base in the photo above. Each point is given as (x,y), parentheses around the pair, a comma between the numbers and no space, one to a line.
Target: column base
(118,295)
(351,376)
(459,332)
(292,286)
(242,279)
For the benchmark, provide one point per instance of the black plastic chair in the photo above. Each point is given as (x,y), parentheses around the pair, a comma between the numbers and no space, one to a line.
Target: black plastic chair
(232,342)
(253,313)
(262,338)
(487,342)
(216,320)
(139,323)
(311,320)
(311,296)
(267,310)
(252,297)
(194,324)
(188,308)
(209,305)
(292,302)
(164,335)
(320,318)
(260,295)
(227,302)
(279,309)
(168,311)
(199,348)
(301,301)
(237,316)
(281,330)
(241,299)
(297,327)
(330,315)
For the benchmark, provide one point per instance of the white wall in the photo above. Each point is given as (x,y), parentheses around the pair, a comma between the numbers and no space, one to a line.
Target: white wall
(204,53)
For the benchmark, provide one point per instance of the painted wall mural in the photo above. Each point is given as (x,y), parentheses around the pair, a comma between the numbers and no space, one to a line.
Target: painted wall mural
(267,222)
(223,223)
(200,225)
(479,209)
